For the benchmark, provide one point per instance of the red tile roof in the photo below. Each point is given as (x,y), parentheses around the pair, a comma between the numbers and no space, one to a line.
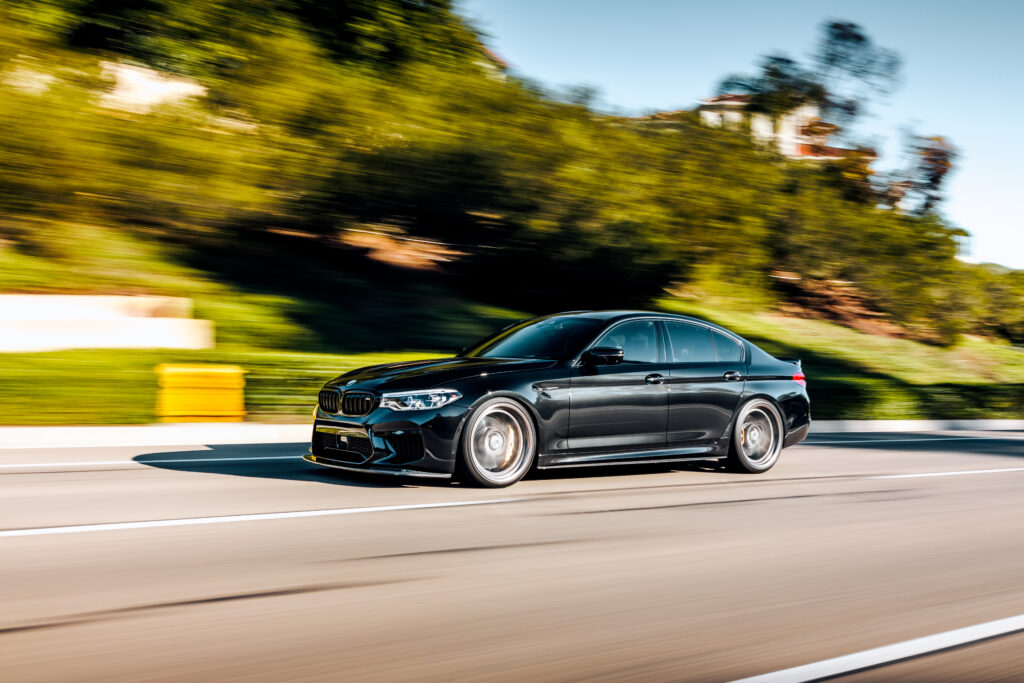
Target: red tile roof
(728,97)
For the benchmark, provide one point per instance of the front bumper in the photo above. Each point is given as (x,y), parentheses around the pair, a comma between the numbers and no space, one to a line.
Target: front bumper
(412,443)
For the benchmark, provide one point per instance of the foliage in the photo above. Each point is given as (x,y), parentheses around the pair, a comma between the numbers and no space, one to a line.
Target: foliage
(385,115)
(931,161)
(782,85)
(212,39)
(848,67)
(851,375)
(851,66)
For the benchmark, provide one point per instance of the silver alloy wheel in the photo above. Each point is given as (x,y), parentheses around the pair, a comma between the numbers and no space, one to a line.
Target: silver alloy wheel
(500,445)
(759,434)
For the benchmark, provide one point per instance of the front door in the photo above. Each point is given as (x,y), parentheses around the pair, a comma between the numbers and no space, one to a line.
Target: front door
(621,407)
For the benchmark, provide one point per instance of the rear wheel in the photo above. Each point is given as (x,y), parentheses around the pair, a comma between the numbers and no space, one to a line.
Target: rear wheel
(498,444)
(757,437)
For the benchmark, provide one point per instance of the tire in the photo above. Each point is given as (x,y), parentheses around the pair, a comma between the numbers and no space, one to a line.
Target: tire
(499,444)
(757,437)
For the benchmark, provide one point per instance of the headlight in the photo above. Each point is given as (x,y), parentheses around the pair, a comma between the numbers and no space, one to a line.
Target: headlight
(419,400)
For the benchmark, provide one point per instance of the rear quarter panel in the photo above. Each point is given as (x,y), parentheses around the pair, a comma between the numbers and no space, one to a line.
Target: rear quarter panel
(771,378)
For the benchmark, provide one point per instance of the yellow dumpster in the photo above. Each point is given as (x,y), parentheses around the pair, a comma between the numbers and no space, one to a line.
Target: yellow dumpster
(200,393)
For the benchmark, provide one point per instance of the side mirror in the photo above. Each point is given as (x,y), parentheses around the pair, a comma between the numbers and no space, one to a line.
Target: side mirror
(603,355)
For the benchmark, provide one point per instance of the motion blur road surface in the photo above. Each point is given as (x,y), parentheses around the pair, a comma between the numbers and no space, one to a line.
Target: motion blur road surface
(665,573)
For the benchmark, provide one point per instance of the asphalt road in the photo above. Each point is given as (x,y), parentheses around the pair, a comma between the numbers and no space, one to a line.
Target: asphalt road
(206,564)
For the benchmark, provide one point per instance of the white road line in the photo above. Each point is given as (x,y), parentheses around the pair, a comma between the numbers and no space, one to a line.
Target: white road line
(918,440)
(888,654)
(190,521)
(97,463)
(942,474)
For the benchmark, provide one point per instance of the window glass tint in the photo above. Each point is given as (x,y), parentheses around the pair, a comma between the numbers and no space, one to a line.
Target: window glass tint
(638,341)
(690,343)
(728,349)
(546,338)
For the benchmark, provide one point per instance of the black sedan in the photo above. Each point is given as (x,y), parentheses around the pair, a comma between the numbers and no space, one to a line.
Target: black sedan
(567,390)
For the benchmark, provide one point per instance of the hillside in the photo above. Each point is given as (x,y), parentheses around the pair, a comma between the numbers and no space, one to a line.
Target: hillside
(207,126)
(293,329)
(278,167)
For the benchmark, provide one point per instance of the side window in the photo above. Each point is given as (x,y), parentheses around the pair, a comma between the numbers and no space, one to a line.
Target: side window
(690,343)
(728,349)
(638,341)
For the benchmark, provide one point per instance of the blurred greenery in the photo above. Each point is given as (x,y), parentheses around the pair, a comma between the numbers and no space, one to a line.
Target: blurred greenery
(321,117)
(851,375)
(119,387)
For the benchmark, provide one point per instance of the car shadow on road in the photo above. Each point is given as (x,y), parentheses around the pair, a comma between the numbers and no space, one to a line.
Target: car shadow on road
(270,461)
(284,461)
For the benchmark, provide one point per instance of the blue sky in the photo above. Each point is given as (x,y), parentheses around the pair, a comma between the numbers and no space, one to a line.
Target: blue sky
(963,70)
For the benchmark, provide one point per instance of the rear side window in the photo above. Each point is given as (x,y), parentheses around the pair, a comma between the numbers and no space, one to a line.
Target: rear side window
(690,343)
(728,349)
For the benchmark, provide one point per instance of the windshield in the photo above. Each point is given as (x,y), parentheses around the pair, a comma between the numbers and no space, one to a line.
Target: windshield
(547,338)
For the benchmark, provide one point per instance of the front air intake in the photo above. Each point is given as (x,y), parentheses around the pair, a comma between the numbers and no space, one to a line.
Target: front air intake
(328,400)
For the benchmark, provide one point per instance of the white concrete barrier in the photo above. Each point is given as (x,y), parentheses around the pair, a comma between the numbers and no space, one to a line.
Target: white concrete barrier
(42,322)
(91,307)
(24,336)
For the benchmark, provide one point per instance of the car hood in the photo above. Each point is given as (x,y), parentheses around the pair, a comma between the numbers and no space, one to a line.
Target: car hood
(429,374)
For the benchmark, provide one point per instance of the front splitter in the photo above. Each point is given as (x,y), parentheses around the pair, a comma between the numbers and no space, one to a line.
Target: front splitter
(327,462)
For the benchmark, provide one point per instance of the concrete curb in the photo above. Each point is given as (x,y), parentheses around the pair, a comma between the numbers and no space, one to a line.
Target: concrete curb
(845,426)
(207,433)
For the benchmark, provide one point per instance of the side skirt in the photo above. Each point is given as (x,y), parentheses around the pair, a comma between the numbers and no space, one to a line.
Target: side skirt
(631,458)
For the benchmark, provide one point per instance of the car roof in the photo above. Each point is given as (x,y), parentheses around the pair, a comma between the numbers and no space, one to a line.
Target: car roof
(618,315)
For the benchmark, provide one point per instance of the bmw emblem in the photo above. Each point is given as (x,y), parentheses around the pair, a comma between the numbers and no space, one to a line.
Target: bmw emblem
(350,382)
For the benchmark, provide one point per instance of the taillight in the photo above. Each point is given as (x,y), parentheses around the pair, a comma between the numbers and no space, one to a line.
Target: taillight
(800,379)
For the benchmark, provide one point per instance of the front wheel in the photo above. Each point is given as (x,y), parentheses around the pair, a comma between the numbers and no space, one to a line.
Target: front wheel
(756,438)
(498,444)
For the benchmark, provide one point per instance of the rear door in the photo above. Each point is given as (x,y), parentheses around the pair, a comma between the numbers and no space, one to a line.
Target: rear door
(621,407)
(707,371)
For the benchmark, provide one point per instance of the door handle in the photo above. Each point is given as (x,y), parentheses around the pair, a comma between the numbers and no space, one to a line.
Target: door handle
(654,379)
(732,376)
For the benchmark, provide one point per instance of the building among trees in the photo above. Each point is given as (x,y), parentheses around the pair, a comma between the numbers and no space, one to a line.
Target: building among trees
(799,133)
